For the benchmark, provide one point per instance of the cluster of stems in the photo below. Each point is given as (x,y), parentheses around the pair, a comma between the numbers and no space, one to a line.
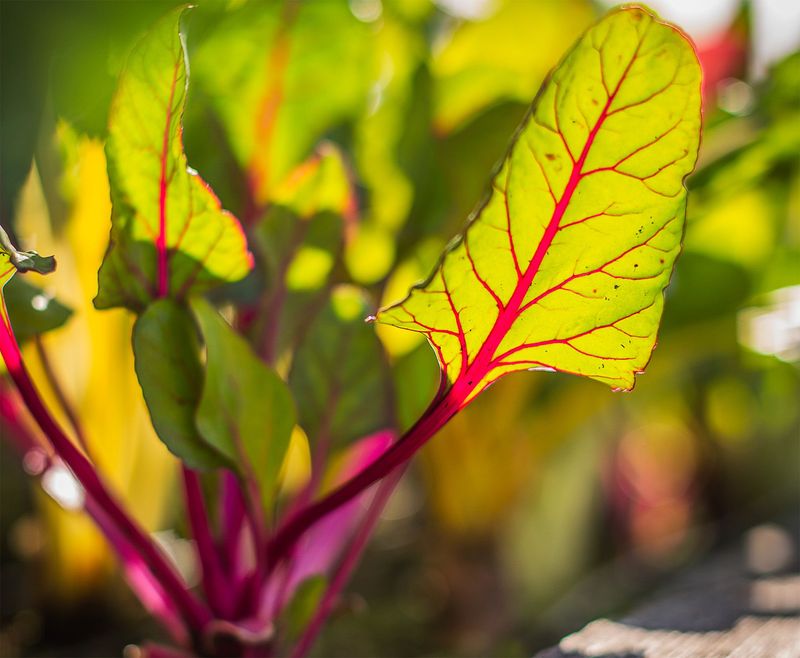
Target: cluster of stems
(228,619)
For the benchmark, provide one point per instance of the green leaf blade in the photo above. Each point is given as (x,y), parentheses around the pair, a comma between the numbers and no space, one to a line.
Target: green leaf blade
(167,362)
(32,311)
(342,399)
(170,236)
(246,410)
(564,266)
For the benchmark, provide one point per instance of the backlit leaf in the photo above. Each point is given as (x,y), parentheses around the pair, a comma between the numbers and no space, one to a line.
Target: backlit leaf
(471,77)
(564,265)
(246,411)
(169,235)
(281,74)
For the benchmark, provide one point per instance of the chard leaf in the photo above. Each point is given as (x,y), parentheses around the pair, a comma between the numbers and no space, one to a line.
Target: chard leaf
(292,71)
(246,411)
(17,300)
(167,359)
(470,79)
(13,260)
(564,266)
(32,311)
(169,234)
(341,399)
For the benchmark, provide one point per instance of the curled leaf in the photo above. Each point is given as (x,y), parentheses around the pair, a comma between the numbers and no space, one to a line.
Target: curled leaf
(13,260)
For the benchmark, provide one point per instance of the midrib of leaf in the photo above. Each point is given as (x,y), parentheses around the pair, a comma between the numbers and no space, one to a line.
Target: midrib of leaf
(161,240)
(473,373)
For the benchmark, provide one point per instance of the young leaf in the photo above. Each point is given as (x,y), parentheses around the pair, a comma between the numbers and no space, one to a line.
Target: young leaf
(341,399)
(13,260)
(169,235)
(246,411)
(167,359)
(564,266)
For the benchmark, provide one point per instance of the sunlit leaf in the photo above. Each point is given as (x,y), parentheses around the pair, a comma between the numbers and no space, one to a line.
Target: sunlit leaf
(246,411)
(526,39)
(169,235)
(341,399)
(167,352)
(396,341)
(320,184)
(280,74)
(564,266)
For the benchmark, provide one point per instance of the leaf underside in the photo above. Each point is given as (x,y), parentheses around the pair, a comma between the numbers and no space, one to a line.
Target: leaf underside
(564,266)
(169,235)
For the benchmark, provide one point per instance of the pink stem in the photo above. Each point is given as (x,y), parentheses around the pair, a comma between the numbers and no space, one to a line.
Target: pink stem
(195,614)
(441,410)
(218,592)
(348,563)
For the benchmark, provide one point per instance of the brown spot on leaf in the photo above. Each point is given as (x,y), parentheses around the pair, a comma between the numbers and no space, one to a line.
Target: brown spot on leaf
(550,156)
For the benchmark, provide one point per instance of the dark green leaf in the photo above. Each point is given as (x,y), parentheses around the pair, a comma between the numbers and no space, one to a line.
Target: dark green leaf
(167,359)
(339,375)
(31,311)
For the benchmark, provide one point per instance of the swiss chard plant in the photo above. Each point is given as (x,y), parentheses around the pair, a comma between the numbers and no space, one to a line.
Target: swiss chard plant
(251,346)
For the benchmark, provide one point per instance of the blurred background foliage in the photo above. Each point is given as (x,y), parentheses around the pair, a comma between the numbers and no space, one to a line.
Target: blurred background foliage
(550,500)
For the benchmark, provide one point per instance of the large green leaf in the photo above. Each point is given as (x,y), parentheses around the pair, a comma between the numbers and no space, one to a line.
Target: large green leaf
(281,74)
(169,235)
(564,265)
(340,375)
(246,411)
(167,360)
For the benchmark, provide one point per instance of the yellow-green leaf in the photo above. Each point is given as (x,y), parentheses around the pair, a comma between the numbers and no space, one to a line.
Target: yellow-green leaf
(280,74)
(169,234)
(564,265)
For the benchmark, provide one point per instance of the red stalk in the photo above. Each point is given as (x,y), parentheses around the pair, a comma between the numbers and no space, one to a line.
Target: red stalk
(161,241)
(217,589)
(194,613)
(347,564)
(441,410)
